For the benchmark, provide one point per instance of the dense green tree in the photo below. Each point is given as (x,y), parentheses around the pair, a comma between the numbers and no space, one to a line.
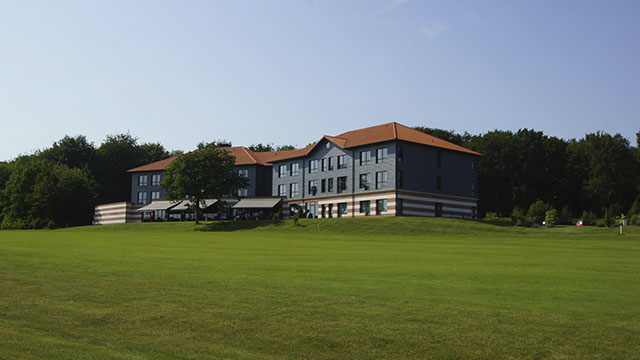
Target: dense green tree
(604,170)
(41,193)
(75,152)
(270,147)
(518,168)
(206,173)
(261,147)
(117,154)
(150,152)
(537,211)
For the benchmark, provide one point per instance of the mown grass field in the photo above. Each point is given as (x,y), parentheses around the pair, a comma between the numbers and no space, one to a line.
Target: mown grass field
(400,288)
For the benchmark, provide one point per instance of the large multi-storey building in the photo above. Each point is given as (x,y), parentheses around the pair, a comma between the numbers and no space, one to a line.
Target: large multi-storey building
(384,170)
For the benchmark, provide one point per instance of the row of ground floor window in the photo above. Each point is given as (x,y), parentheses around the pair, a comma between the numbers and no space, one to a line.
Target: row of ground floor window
(391,203)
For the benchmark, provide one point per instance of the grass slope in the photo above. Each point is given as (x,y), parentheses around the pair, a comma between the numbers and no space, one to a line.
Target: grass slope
(401,288)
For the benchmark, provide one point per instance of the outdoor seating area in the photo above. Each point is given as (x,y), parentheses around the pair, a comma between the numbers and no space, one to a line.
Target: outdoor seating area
(213,209)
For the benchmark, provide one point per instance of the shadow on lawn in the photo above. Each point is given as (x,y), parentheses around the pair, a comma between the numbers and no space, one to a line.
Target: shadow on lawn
(241,225)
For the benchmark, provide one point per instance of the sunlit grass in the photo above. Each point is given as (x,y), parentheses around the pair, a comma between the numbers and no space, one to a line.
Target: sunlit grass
(321,289)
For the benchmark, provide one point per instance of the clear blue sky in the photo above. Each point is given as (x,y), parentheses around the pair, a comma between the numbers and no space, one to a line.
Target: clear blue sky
(288,72)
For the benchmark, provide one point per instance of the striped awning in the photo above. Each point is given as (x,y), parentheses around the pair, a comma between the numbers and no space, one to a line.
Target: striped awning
(257,203)
(158,205)
(183,205)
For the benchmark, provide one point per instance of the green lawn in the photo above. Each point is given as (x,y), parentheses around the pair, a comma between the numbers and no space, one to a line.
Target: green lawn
(402,288)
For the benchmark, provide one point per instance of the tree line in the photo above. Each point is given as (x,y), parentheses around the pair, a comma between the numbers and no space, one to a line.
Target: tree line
(597,175)
(521,173)
(60,185)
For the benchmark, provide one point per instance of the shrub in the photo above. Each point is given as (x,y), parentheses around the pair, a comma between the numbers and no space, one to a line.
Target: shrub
(609,216)
(537,211)
(588,215)
(518,215)
(635,220)
(635,208)
(551,217)
(565,216)
(494,218)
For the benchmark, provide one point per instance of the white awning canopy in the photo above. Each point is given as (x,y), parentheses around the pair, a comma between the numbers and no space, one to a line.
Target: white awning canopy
(183,205)
(158,205)
(257,203)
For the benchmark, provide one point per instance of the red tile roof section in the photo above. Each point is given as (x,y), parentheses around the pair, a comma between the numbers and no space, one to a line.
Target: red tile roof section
(154,166)
(380,133)
(243,156)
(370,135)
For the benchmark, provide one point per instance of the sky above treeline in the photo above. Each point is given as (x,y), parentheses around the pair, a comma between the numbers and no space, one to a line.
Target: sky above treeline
(288,72)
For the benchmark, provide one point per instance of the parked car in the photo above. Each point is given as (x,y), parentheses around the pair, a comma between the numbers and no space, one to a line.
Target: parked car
(585,223)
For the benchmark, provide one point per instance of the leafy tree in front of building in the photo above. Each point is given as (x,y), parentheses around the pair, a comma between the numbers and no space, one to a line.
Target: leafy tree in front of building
(205,173)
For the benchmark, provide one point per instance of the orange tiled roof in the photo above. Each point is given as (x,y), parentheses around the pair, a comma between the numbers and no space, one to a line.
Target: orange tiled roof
(243,156)
(154,166)
(379,133)
(395,131)
(370,135)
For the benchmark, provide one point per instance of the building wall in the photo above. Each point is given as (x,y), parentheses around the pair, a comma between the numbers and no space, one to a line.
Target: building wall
(148,189)
(375,166)
(259,182)
(116,213)
(263,180)
(302,179)
(420,171)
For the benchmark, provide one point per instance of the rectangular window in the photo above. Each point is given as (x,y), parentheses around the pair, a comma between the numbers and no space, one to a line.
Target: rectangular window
(381,179)
(365,157)
(365,181)
(282,171)
(155,179)
(381,155)
(365,207)
(342,161)
(438,183)
(155,195)
(243,173)
(399,154)
(330,159)
(399,178)
(282,190)
(295,169)
(342,184)
(439,158)
(473,165)
(313,166)
(330,210)
(160,215)
(381,206)
(143,180)
(324,164)
(293,190)
(330,185)
(342,209)
(142,197)
(323,185)
(323,211)
(473,188)
(313,187)
(243,192)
